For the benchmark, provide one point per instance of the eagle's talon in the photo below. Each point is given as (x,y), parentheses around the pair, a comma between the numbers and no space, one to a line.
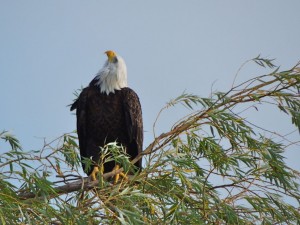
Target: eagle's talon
(117,176)
(94,173)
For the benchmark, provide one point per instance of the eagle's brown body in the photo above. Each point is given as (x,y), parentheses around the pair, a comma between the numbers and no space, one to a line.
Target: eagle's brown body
(103,118)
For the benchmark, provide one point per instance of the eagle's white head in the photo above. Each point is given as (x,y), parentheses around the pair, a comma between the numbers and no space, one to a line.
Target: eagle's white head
(113,75)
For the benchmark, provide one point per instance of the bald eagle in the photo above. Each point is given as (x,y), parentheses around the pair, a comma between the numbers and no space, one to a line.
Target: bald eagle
(108,111)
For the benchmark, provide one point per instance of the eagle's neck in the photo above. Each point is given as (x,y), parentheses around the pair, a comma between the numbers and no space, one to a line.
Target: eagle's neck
(113,76)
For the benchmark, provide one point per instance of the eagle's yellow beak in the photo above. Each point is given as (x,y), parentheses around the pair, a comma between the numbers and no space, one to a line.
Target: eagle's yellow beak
(110,55)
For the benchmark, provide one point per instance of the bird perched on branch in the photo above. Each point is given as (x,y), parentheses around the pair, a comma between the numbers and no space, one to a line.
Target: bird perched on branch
(108,111)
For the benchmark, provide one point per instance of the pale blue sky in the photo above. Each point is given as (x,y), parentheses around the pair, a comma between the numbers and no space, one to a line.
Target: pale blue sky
(51,48)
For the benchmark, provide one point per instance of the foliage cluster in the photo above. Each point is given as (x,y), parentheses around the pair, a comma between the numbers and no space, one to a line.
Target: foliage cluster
(212,167)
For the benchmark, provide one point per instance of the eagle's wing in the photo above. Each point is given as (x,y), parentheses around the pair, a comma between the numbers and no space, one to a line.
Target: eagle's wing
(134,123)
(80,106)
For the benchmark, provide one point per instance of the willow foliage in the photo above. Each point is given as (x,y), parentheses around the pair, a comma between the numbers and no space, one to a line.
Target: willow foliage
(212,167)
